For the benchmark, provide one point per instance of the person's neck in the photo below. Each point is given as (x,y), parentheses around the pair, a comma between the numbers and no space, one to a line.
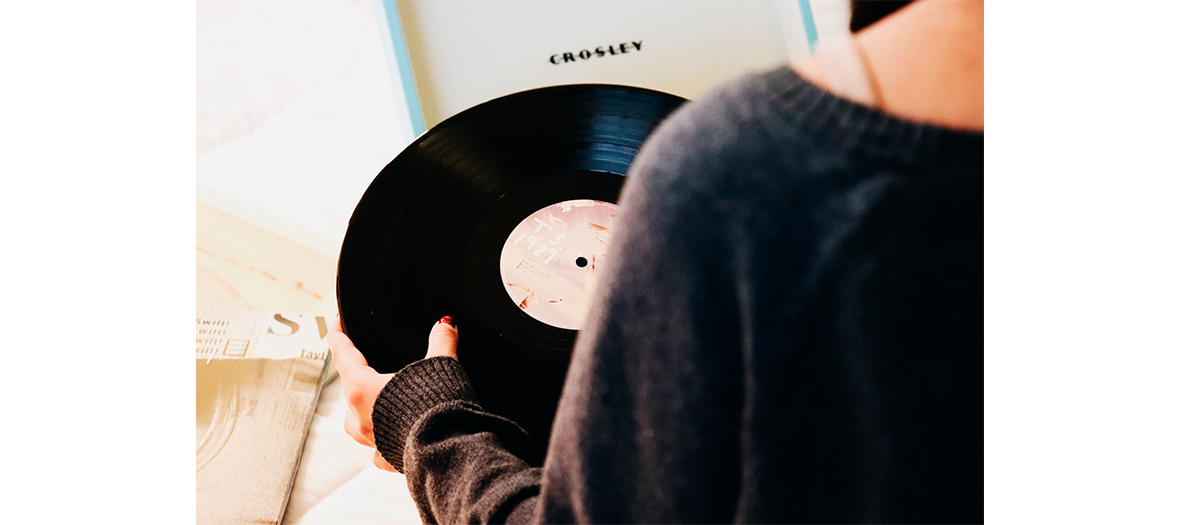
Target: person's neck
(928,61)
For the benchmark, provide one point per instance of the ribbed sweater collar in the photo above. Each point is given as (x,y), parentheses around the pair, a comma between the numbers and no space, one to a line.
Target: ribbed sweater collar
(846,125)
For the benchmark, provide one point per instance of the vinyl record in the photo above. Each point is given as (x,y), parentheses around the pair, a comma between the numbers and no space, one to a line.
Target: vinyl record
(499,217)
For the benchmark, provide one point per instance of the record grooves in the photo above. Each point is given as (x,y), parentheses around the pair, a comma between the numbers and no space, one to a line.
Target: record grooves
(428,236)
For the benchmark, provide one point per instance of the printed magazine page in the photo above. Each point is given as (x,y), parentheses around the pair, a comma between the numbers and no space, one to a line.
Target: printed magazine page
(258,379)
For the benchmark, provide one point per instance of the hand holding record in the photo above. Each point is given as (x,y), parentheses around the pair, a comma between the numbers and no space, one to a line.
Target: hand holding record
(500,216)
(362,384)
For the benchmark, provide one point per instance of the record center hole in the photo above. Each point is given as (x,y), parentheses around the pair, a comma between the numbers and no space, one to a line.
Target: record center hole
(581,262)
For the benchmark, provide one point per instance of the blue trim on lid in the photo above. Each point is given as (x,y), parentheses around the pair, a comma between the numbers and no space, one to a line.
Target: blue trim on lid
(808,24)
(402,56)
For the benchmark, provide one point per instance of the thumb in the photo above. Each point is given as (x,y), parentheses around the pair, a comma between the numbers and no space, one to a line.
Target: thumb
(444,339)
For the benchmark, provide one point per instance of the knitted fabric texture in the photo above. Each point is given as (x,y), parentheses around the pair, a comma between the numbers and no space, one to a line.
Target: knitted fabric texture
(417,388)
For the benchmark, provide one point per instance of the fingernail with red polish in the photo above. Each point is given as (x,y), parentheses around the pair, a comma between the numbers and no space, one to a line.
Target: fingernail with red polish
(447,319)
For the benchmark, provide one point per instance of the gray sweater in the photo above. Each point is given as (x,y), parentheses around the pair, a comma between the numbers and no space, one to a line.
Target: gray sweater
(792,331)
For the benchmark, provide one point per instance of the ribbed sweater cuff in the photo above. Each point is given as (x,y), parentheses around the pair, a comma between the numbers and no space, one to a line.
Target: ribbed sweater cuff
(413,391)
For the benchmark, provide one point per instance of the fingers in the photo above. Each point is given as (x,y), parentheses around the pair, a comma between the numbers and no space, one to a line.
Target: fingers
(356,430)
(362,384)
(443,339)
(349,361)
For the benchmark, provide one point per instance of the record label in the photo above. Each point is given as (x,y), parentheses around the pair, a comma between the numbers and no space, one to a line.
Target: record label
(550,260)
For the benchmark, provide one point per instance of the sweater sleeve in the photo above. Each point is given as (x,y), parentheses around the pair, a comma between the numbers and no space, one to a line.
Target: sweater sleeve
(462,464)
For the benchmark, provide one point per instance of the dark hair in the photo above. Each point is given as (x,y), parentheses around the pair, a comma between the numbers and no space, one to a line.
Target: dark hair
(867,12)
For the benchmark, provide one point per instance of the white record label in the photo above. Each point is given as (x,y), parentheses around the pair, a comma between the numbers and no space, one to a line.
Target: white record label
(550,261)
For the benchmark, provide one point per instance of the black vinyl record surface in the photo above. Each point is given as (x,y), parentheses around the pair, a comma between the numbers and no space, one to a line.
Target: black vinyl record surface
(429,235)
